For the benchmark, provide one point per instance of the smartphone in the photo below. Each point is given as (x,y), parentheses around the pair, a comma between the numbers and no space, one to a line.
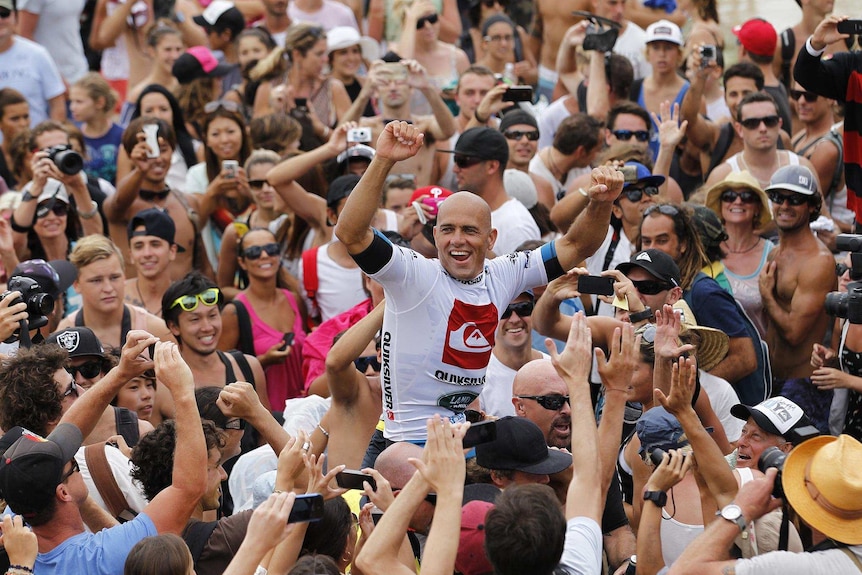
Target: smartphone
(231,167)
(151,131)
(306,508)
(630,174)
(707,55)
(850,27)
(598,285)
(352,479)
(359,135)
(518,94)
(152,349)
(395,71)
(479,433)
(287,341)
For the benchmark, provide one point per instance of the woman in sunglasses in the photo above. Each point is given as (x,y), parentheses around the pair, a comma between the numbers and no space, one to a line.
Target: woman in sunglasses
(274,314)
(502,43)
(743,208)
(55,227)
(386,16)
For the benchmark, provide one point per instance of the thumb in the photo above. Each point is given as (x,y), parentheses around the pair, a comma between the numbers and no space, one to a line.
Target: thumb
(660,397)
(601,358)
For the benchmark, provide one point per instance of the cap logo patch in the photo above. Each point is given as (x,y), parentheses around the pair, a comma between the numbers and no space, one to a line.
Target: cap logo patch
(644,256)
(803,180)
(662,30)
(69,340)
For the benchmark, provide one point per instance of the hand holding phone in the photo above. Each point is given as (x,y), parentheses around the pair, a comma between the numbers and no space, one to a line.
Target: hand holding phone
(352,479)
(306,508)
(850,27)
(230,169)
(518,94)
(287,341)
(598,285)
(151,131)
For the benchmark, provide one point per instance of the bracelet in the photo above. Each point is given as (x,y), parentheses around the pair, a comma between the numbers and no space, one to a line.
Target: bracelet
(16,227)
(277,491)
(478,119)
(323,431)
(583,192)
(13,569)
(92,213)
(646,313)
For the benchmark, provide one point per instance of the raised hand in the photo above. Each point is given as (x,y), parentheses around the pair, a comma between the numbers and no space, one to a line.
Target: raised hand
(399,141)
(668,324)
(417,76)
(442,464)
(616,372)
(238,399)
(268,525)
(682,383)
(827,32)
(576,361)
(20,543)
(317,481)
(290,461)
(822,356)
(670,131)
(133,362)
(382,497)
(171,368)
(606,183)
(566,286)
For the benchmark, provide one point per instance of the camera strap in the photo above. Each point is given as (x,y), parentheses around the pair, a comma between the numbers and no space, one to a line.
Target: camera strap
(784,530)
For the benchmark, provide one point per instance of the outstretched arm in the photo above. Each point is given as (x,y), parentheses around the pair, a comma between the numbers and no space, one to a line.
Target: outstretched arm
(341,375)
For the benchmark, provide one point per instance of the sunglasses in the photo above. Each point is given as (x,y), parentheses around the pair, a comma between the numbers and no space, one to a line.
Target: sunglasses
(754,123)
(841,269)
(71,390)
(256,184)
(432,19)
(74,469)
(59,208)
(523,309)
(549,402)
(5,13)
(637,194)
(190,302)
(149,196)
(254,252)
(466,161)
(626,135)
(651,287)
(499,38)
(647,333)
(746,196)
(793,199)
(88,370)
(518,134)
(236,424)
(211,107)
(664,209)
(363,362)
(810,97)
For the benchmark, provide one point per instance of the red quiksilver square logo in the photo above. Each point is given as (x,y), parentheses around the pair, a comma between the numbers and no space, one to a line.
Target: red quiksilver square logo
(470,335)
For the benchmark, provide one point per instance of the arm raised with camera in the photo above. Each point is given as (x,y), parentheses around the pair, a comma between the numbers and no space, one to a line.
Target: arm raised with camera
(701,132)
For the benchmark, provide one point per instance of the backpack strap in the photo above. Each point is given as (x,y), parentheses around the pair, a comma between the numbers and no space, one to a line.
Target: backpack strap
(311,282)
(244,366)
(196,536)
(788,47)
(725,137)
(106,484)
(246,338)
(853,558)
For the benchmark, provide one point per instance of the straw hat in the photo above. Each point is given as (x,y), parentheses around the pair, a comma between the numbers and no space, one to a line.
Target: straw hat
(740,180)
(714,343)
(822,479)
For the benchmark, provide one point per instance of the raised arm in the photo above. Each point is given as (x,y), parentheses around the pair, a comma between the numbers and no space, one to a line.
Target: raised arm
(671,133)
(240,399)
(825,77)
(442,124)
(341,375)
(701,132)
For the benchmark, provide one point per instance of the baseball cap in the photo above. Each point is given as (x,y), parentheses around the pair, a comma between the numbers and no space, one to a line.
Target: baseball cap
(757,36)
(53,190)
(342,37)
(6,4)
(198,62)
(78,341)
(360,151)
(483,143)
(520,186)
(521,446)
(645,176)
(777,415)
(437,192)
(664,31)
(340,188)
(709,227)
(221,13)
(54,277)
(656,263)
(658,429)
(156,223)
(797,179)
(471,558)
(31,469)
(518,116)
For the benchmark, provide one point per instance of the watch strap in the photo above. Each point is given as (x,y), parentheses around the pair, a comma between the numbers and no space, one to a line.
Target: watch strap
(646,313)
(657,497)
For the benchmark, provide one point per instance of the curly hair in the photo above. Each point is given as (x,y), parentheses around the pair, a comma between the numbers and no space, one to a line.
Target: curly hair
(153,456)
(28,393)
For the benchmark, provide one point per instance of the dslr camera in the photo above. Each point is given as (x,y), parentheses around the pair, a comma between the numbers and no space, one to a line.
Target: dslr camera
(601,33)
(39,303)
(774,457)
(849,305)
(66,159)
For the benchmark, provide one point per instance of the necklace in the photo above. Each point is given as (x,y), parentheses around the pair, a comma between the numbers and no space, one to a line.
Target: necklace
(745,251)
(144,302)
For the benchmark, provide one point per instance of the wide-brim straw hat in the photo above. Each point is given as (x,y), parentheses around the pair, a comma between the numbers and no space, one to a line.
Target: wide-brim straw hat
(735,180)
(714,343)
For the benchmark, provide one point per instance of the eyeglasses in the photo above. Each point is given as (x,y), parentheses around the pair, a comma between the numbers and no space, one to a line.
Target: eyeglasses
(256,184)
(190,302)
(5,13)
(532,135)
(88,370)
(626,135)
(664,209)
(71,390)
(549,402)
(75,468)
(362,363)
(59,208)
(651,287)
(499,38)
(431,19)
(746,196)
(637,194)
(810,97)
(228,105)
(523,309)
(793,199)
(647,333)
(254,252)
(754,123)
(149,196)
(236,424)
(841,269)
(466,161)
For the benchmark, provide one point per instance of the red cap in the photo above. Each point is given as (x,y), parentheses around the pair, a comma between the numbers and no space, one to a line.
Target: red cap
(430,191)
(471,558)
(757,36)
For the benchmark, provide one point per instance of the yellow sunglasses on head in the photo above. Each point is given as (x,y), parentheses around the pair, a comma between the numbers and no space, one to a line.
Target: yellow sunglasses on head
(190,302)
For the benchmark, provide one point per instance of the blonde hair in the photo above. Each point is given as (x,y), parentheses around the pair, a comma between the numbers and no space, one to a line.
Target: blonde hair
(97,87)
(93,248)
(300,37)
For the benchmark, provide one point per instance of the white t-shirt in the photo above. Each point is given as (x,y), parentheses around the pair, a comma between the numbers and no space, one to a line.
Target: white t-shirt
(338,288)
(722,397)
(514,225)
(550,119)
(59,31)
(582,550)
(330,15)
(538,167)
(496,396)
(28,68)
(632,45)
(829,562)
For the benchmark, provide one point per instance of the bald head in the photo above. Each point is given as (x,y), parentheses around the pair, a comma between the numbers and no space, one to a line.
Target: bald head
(393,465)
(539,378)
(466,203)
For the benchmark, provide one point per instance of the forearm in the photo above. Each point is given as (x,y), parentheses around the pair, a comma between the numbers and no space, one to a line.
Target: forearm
(547,319)
(118,205)
(567,63)
(190,453)
(598,102)
(443,539)
(354,225)
(85,204)
(111,27)
(710,461)
(610,428)
(450,22)
(446,125)
(299,165)
(583,496)
(86,411)
(287,552)
(690,111)
(649,553)
(586,233)
(567,210)
(339,360)
(269,429)
(95,517)
(57,108)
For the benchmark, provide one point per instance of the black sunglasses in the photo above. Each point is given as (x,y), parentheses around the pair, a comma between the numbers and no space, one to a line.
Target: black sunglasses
(88,370)
(466,161)
(431,19)
(754,123)
(59,208)
(532,135)
(747,196)
(664,209)
(793,199)
(841,269)
(256,184)
(75,467)
(637,194)
(71,390)
(523,309)
(149,196)
(549,402)
(626,135)
(810,97)
(363,362)
(651,287)
(5,13)
(254,252)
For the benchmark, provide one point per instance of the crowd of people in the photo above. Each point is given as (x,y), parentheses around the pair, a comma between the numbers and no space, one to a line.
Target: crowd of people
(557,280)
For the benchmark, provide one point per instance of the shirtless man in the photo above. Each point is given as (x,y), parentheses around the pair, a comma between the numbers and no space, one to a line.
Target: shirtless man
(395,90)
(551,20)
(152,249)
(145,187)
(793,287)
(813,13)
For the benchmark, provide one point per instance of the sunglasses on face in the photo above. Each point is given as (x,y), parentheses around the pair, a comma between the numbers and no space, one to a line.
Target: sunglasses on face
(626,135)
(228,105)
(651,287)
(746,196)
(637,194)
(793,199)
(71,390)
(523,309)
(517,135)
(466,161)
(810,97)
(549,402)
(5,13)
(490,3)
(841,269)
(663,209)
(191,302)
(72,470)
(88,370)
(363,362)
(254,252)
(499,38)
(59,208)
(256,184)
(754,123)
(431,19)
(149,196)
(235,424)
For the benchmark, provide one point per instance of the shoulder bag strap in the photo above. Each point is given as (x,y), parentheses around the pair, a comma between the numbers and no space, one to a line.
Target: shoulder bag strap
(103,479)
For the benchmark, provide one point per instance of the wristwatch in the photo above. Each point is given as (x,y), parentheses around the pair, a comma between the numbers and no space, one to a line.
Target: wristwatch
(641,315)
(733,513)
(657,497)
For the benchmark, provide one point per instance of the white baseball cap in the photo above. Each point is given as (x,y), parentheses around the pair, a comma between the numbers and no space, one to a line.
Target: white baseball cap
(664,31)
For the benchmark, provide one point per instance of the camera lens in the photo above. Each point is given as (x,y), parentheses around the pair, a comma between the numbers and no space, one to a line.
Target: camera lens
(773,457)
(40,304)
(836,304)
(69,161)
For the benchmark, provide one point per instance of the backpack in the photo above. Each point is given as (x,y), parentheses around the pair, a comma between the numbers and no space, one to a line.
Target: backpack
(196,536)
(246,338)
(311,283)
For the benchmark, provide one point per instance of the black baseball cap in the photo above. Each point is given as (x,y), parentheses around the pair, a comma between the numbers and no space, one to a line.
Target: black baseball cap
(156,223)
(655,262)
(521,446)
(54,277)
(518,116)
(340,188)
(198,62)
(78,341)
(483,143)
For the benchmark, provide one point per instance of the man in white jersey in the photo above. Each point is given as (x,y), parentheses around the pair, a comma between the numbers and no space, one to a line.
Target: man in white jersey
(441,314)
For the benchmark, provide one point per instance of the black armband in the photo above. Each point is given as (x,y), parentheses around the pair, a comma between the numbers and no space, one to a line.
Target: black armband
(372,259)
